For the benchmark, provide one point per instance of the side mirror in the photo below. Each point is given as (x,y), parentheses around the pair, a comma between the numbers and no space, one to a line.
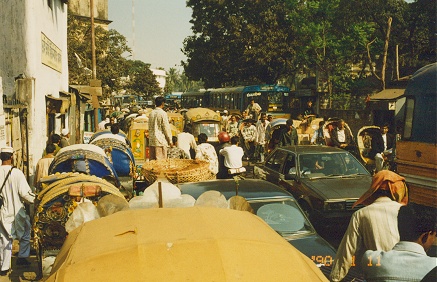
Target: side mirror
(290,176)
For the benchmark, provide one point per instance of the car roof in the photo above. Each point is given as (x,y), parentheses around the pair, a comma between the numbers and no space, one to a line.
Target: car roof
(302,149)
(248,188)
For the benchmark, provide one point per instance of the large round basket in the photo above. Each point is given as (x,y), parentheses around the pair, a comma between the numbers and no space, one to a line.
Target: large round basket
(177,170)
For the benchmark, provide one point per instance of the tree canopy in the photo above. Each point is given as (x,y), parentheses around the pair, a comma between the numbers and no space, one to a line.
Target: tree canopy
(253,41)
(111,64)
(238,42)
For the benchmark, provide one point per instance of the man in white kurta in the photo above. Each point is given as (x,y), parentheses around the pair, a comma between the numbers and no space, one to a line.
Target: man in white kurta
(159,131)
(15,223)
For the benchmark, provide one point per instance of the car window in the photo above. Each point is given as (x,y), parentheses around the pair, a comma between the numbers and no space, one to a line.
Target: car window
(290,164)
(284,216)
(275,162)
(316,165)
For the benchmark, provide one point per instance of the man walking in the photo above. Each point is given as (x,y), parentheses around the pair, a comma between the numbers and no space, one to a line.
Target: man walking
(159,131)
(15,223)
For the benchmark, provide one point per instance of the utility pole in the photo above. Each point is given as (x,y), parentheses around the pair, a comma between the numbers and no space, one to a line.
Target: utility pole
(94,83)
(133,30)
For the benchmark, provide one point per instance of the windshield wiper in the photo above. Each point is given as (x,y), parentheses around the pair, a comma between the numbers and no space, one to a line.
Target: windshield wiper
(357,174)
(327,176)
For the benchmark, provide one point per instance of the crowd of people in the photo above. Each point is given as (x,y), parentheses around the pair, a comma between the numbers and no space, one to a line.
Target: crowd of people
(388,236)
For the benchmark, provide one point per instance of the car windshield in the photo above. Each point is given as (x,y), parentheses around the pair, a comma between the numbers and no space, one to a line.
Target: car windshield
(330,165)
(284,216)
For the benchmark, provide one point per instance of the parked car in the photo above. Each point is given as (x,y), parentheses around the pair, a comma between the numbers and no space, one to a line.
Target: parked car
(326,180)
(279,209)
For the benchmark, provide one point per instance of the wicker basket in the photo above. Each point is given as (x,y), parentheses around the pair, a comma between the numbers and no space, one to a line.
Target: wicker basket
(177,170)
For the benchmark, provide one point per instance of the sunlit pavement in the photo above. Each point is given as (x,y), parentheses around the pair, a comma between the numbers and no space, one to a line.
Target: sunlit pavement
(21,273)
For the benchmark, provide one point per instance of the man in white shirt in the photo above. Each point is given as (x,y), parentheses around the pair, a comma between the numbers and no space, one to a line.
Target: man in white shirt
(261,127)
(159,131)
(14,221)
(186,141)
(253,109)
(233,154)
(248,133)
(103,123)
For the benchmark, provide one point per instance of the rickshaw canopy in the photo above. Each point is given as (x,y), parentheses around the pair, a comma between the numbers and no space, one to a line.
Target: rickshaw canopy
(202,114)
(180,244)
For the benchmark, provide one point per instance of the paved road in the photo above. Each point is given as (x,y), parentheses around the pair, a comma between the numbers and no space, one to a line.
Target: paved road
(21,273)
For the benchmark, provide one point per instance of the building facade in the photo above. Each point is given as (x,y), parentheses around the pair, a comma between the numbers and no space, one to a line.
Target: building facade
(34,75)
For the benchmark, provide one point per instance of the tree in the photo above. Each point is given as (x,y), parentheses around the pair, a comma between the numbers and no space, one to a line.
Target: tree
(143,81)
(387,18)
(171,80)
(236,42)
(110,47)
(419,40)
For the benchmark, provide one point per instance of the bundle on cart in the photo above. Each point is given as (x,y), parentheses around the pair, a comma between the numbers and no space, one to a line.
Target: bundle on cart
(177,170)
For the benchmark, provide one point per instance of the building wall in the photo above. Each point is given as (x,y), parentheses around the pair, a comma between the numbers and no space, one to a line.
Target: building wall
(160,77)
(23,25)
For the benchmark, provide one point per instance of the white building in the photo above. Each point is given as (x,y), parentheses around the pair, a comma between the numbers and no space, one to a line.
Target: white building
(161,75)
(34,75)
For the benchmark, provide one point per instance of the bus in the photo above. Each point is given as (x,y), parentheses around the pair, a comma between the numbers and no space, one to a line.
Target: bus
(273,99)
(416,151)
(194,99)
(173,100)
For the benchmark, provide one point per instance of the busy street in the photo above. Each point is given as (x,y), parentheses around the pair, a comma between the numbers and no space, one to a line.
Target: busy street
(218,140)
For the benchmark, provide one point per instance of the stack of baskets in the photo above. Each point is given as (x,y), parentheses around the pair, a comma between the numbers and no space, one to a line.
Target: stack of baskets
(177,170)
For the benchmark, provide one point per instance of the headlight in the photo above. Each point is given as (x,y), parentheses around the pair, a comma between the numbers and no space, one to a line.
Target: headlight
(335,206)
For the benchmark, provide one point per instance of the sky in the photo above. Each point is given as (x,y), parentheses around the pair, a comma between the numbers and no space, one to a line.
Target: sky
(160,29)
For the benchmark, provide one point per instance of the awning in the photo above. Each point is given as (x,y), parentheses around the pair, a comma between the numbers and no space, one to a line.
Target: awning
(387,94)
(57,105)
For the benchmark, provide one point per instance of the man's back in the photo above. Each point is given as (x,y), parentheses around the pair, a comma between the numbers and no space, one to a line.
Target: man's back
(407,261)
(371,228)
(159,128)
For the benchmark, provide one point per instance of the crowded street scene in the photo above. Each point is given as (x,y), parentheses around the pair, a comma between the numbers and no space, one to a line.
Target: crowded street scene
(272,140)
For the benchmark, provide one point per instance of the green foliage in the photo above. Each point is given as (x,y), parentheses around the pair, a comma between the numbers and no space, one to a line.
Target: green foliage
(253,41)
(177,82)
(109,46)
(111,65)
(142,80)
(237,42)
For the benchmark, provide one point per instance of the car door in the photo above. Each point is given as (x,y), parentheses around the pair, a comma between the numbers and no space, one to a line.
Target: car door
(274,166)
(289,180)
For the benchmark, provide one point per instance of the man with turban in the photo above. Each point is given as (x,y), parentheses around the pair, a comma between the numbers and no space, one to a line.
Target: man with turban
(373,227)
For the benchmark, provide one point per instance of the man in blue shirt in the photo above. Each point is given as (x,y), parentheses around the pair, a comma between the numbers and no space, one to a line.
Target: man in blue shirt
(407,261)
